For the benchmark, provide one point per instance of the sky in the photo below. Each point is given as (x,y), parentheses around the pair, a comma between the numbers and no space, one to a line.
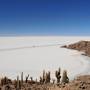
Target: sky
(45,17)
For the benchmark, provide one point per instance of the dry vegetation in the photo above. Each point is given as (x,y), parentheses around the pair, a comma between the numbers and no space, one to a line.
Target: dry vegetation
(29,84)
(80,83)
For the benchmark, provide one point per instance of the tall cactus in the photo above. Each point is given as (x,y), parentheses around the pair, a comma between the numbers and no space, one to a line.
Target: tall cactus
(17,88)
(65,78)
(22,78)
(41,80)
(58,76)
(48,77)
(27,78)
(31,79)
(4,81)
(43,76)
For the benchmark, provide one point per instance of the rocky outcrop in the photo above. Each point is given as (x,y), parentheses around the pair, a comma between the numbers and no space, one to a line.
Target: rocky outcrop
(80,46)
(80,83)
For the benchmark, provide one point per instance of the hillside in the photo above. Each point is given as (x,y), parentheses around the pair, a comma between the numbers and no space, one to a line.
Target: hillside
(80,46)
(80,83)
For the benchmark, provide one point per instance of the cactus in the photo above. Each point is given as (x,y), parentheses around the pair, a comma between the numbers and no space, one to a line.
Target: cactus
(65,78)
(48,77)
(4,81)
(31,79)
(17,86)
(43,76)
(22,78)
(41,80)
(57,74)
(27,78)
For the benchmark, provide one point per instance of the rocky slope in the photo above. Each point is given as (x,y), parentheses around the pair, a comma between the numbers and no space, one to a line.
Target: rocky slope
(80,46)
(80,83)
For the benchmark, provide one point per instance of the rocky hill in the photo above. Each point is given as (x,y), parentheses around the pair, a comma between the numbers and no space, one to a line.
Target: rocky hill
(80,46)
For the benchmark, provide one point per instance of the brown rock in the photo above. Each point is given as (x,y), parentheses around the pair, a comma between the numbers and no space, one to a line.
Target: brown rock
(80,46)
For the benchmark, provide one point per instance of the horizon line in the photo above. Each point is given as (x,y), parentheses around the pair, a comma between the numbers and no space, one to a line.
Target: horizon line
(41,35)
